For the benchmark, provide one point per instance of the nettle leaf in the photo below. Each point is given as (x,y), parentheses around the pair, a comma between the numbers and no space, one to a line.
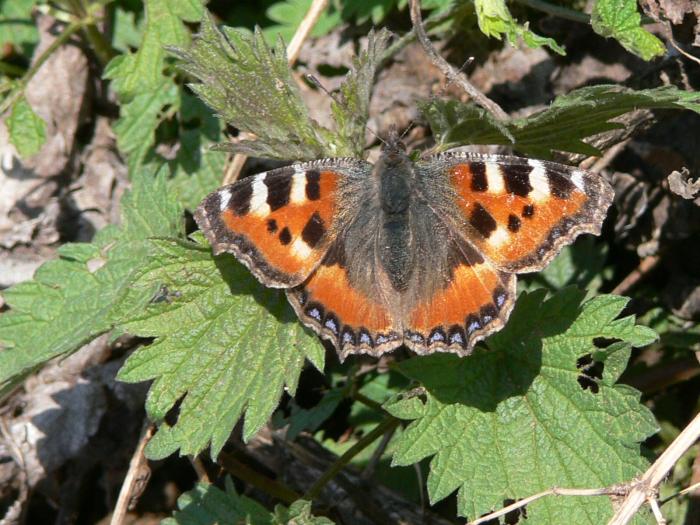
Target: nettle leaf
(288,14)
(134,73)
(27,129)
(495,21)
(621,20)
(224,346)
(514,421)
(352,112)
(562,126)
(18,27)
(207,504)
(251,87)
(82,294)
(197,169)
(136,127)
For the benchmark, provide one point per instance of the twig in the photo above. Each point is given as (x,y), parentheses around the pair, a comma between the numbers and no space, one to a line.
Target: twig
(597,165)
(388,425)
(368,471)
(136,478)
(233,170)
(647,485)
(645,266)
(450,72)
(69,31)
(558,11)
(605,491)
(686,490)
(252,477)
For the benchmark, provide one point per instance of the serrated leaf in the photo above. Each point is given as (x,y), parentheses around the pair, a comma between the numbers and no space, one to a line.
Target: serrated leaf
(250,86)
(135,129)
(495,21)
(197,169)
(133,73)
(582,113)
(352,112)
(27,129)
(580,264)
(224,345)
(621,20)
(207,504)
(299,513)
(514,421)
(287,16)
(83,293)
(18,27)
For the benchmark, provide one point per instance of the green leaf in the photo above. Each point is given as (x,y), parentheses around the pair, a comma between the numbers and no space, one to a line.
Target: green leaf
(514,421)
(571,118)
(27,129)
(352,112)
(84,293)
(18,27)
(224,345)
(495,20)
(141,71)
(621,20)
(309,419)
(197,169)
(207,504)
(139,119)
(251,87)
(287,16)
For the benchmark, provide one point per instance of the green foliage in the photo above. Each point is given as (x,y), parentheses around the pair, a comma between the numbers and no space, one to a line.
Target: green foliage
(571,118)
(16,25)
(621,20)
(287,16)
(134,73)
(233,66)
(495,21)
(87,290)
(515,421)
(207,504)
(222,341)
(27,129)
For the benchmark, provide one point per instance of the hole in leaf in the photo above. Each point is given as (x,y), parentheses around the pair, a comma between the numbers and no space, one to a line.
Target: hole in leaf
(604,342)
(173,414)
(587,383)
(326,70)
(514,516)
(591,372)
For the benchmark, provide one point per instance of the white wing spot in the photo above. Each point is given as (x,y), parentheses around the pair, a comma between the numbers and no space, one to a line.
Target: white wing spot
(258,201)
(577,179)
(539,182)
(225,197)
(298,193)
(300,249)
(494,178)
(499,237)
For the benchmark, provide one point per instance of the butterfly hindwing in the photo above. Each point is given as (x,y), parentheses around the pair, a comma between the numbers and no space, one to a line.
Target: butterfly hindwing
(278,223)
(519,212)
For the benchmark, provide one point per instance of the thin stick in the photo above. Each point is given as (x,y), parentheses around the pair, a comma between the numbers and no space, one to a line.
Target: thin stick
(136,478)
(388,425)
(647,485)
(253,478)
(450,72)
(605,491)
(645,266)
(233,170)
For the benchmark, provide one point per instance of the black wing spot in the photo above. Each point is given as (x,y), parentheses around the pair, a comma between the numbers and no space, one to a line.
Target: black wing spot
(314,230)
(479,181)
(560,186)
(517,179)
(482,221)
(271,225)
(514,223)
(285,236)
(241,194)
(528,211)
(278,191)
(313,187)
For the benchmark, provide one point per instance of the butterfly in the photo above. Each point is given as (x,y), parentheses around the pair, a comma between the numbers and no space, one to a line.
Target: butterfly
(424,253)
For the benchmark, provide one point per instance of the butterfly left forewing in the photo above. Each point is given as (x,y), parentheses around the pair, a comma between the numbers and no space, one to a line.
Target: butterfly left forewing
(278,223)
(520,212)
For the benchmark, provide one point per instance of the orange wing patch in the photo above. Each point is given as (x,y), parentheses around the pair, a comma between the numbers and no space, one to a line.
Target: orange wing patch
(352,321)
(278,223)
(521,212)
(475,302)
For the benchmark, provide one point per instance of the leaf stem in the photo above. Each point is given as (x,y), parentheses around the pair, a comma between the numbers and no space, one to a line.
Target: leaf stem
(69,31)
(103,50)
(557,10)
(389,424)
